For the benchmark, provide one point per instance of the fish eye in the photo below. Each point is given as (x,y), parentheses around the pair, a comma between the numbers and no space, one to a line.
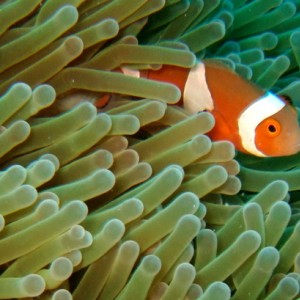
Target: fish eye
(273,127)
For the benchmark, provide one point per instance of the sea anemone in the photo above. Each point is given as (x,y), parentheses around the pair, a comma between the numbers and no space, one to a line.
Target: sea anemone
(134,200)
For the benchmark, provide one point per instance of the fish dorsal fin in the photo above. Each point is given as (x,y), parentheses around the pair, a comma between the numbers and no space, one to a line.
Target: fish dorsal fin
(218,63)
(212,62)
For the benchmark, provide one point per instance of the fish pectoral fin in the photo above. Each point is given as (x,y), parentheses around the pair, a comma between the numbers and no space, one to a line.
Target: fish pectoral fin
(222,129)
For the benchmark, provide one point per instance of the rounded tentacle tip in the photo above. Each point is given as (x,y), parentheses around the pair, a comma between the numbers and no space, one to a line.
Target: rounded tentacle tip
(33,285)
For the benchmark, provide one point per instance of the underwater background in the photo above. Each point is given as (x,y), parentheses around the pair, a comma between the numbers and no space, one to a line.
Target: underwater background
(135,201)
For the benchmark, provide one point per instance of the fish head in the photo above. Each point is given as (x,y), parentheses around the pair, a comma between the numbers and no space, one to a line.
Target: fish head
(279,134)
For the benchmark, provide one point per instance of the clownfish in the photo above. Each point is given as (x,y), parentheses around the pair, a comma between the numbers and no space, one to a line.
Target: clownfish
(256,122)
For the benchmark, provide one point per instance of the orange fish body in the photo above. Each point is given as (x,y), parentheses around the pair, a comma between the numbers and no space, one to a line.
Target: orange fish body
(256,122)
